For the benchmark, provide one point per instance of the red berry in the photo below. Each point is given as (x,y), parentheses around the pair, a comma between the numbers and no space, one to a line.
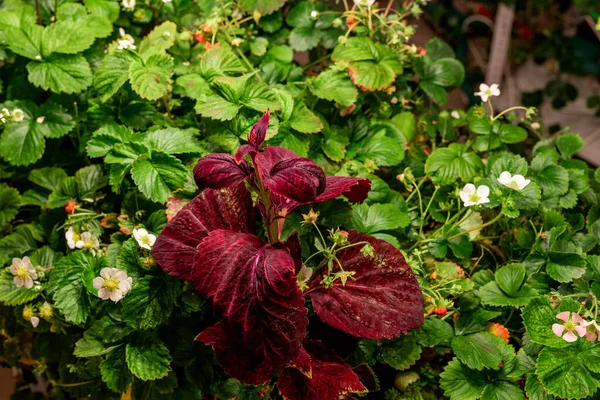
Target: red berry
(440,310)
(70,206)
(427,150)
(200,38)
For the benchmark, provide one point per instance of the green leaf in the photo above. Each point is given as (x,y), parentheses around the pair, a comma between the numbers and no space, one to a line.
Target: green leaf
(220,61)
(17,244)
(553,179)
(378,217)
(400,353)
(474,321)
(26,40)
(491,294)
(174,141)
(510,278)
(112,73)
(538,317)
(150,78)
(10,295)
(258,46)
(535,390)
(91,348)
(336,86)
(446,164)
(438,49)
(462,383)
(69,293)
(148,358)
(105,138)
(193,85)
(216,107)
(158,175)
(67,37)
(10,200)
(479,350)
(104,8)
(150,302)
(264,7)
(512,133)
(20,144)
(61,73)
(502,390)
(569,373)
(304,120)
(435,331)
(115,372)
(382,149)
(569,144)
(406,123)
(334,143)
(160,39)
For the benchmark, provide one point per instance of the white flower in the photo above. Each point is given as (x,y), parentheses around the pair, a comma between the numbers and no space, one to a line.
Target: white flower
(34,321)
(236,42)
(18,115)
(6,112)
(485,91)
(38,57)
(516,182)
(72,237)
(129,4)
(455,114)
(472,196)
(314,14)
(88,242)
(535,125)
(394,100)
(112,284)
(23,271)
(145,240)
(364,3)
(40,120)
(126,44)
(167,1)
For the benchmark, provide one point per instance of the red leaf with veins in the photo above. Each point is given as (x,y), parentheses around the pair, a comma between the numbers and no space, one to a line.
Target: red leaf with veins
(258,133)
(253,285)
(383,301)
(227,208)
(332,378)
(220,170)
(286,174)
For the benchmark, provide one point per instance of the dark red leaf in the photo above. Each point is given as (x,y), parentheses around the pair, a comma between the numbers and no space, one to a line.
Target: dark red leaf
(219,170)
(254,286)
(227,208)
(243,150)
(383,301)
(259,131)
(332,378)
(236,358)
(302,363)
(354,189)
(286,174)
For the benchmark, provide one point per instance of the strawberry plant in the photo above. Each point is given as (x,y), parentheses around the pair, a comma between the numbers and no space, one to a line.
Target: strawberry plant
(266,200)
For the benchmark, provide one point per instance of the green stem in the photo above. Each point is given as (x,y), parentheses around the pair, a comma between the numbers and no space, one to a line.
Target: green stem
(426,210)
(506,111)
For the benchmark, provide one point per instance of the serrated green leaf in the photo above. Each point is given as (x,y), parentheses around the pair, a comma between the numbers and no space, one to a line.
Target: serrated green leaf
(150,78)
(553,179)
(258,46)
(502,391)
(26,39)
(148,358)
(380,148)
(104,139)
(115,372)
(510,278)
(160,39)
(174,141)
(435,331)
(334,143)
(150,302)
(446,164)
(462,383)
(10,200)
(158,175)
(400,353)
(378,217)
(491,294)
(264,7)
(193,85)
(91,348)
(569,144)
(61,73)
(535,390)
(17,244)
(21,145)
(512,134)
(10,295)
(538,317)
(566,372)
(479,350)
(304,120)
(105,8)
(112,73)
(336,86)
(67,37)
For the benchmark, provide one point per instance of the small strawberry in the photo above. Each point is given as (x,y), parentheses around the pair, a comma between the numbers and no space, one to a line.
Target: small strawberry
(441,311)
(200,38)
(427,150)
(70,206)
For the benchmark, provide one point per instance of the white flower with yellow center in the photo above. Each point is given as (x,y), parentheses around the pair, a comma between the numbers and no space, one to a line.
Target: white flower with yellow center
(472,196)
(88,242)
(485,91)
(516,182)
(112,284)
(145,240)
(23,271)
(18,115)
(72,237)
(129,4)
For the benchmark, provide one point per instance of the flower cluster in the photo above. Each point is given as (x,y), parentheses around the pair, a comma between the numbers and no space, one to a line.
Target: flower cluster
(473,196)
(16,115)
(574,327)
(85,240)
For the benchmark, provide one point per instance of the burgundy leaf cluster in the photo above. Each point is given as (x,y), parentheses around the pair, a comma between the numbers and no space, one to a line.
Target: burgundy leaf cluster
(252,284)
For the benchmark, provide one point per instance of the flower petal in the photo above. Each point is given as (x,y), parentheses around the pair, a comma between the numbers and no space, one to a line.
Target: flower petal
(469,188)
(558,329)
(590,336)
(104,294)
(483,191)
(28,282)
(505,178)
(581,331)
(18,282)
(483,87)
(570,337)
(565,315)
(98,282)
(34,321)
(106,272)
(116,295)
